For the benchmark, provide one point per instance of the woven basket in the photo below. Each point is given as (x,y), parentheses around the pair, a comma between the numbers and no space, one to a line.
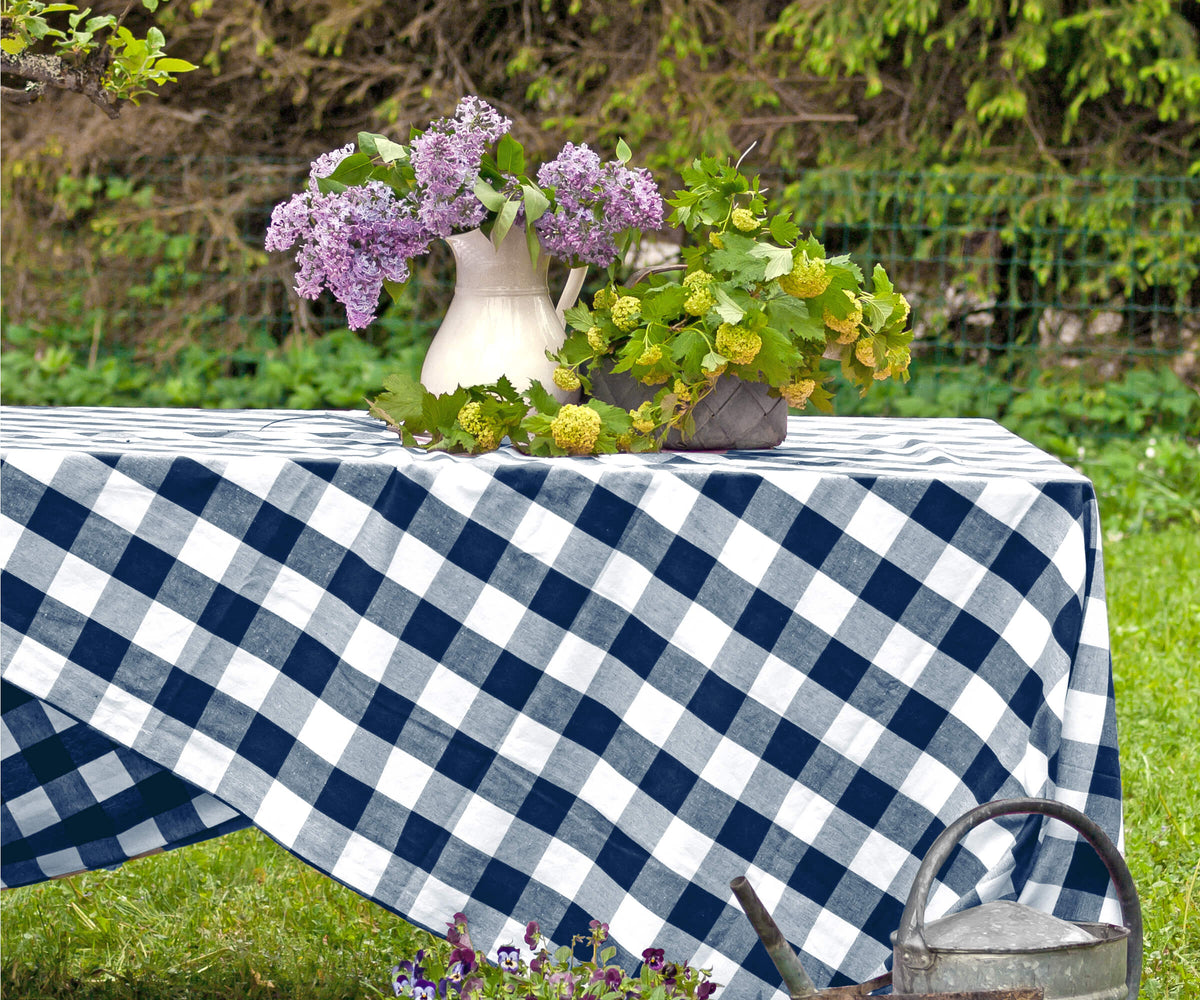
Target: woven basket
(735,415)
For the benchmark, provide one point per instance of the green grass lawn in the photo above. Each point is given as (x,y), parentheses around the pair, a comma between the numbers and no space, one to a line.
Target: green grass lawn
(240,918)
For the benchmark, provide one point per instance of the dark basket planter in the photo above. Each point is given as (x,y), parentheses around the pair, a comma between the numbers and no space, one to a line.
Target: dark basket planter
(735,415)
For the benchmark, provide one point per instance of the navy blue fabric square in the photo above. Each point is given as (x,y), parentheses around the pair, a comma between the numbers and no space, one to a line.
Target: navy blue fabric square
(273,532)
(1019,562)
(545,806)
(1028,697)
(811,537)
(1067,625)
(763,620)
(183,697)
(816,875)
(866,798)
(47,759)
(526,480)
(266,745)
(968,640)
(99,650)
(942,510)
(744,831)
(430,630)
(605,516)
(322,470)
(890,589)
(189,484)
(162,790)
(790,748)
(386,714)
(57,519)
(985,775)
(143,566)
(91,823)
(465,761)
(839,669)
(621,858)
(477,550)
(667,781)
(734,493)
(715,702)
(500,886)
(685,567)
(592,725)
(400,499)
(511,680)
(638,646)
(421,842)
(227,615)
(1071,497)
(310,663)
(19,603)
(344,798)
(574,921)
(355,582)
(697,911)
(917,719)
(559,598)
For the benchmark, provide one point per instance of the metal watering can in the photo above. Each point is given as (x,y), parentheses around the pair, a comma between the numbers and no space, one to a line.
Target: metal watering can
(999,949)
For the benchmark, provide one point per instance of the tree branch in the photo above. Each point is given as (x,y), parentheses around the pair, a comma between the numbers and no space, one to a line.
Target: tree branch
(51,71)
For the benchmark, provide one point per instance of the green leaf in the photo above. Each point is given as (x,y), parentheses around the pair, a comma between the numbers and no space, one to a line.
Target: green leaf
(536,203)
(150,5)
(504,222)
(395,289)
(663,303)
(492,199)
(726,308)
(510,155)
(624,153)
(791,316)
(383,147)
(352,170)
(783,230)
(174,65)
(779,259)
(579,317)
(402,398)
(541,399)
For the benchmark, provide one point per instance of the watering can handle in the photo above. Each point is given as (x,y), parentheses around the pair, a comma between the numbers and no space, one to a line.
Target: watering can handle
(570,292)
(910,936)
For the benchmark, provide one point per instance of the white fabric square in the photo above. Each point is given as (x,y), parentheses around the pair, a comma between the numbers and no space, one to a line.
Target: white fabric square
(830,938)
(767,887)
(1071,558)
(247,679)
(436,900)
(955,576)
(879,860)
(257,475)
(459,486)
(10,534)
(623,580)
(370,649)
(1094,629)
(1027,632)
(748,553)
(403,778)
(634,923)
(209,550)
(563,869)
(414,565)
(326,732)
(64,862)
(448,696)
(282,813)
(669,501)
(78,585)
(682,848)
(1083,716)
(361,864)
(105,776)
(876,524)
(495,616)
(146,836)
(1007,499)
(163,632)
(123,501)
(804,813)
(575,662)
(542,534)
(825,603)
(607,791)
(979,707)
(482,825)
(776,683)
(930,784)
(35,667)
(529,744)
(33,811)
(293,597)
(1033,772)
(339,516)
(701,634)
(730,768)
(203,761)
(853,734)
(120,715)
(904,655)
(652,714)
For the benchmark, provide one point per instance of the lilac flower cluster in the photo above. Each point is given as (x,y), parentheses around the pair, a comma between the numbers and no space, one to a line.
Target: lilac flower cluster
(594,204)
(350,241)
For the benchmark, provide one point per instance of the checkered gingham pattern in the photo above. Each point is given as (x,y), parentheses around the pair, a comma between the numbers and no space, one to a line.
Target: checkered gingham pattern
(565,689)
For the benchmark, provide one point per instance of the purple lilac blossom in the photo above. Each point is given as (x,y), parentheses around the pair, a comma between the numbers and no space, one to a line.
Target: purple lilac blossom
(595,202)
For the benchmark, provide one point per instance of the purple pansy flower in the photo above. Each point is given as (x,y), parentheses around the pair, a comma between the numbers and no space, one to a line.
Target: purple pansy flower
(423,989)
(654,958)
(509,957)
(532,933)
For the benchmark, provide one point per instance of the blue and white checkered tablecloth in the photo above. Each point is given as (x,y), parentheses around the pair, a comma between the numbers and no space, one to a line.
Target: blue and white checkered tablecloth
(561,689)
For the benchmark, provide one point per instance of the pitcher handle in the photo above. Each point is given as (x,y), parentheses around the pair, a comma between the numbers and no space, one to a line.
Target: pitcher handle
(570,292)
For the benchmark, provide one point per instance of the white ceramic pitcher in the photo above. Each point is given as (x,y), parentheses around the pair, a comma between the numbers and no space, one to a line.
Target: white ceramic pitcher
(501,320)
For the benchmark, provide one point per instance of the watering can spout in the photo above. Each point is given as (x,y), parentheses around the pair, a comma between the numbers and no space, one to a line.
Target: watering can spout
(790,970)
